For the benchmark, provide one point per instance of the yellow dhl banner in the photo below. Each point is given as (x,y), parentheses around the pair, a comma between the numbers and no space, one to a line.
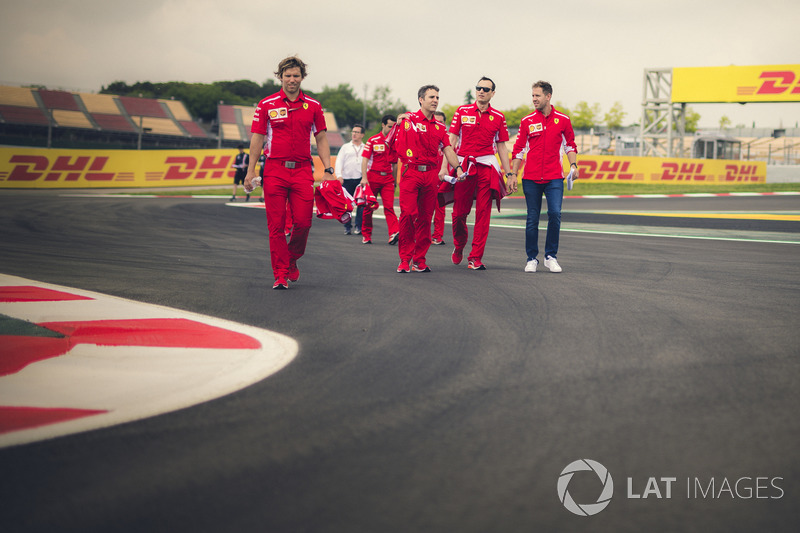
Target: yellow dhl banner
(669,170)
(765,83)
(35,168)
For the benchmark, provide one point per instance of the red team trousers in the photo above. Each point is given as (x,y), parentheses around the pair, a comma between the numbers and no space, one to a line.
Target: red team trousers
(417,204)
(295,186)
(479,187)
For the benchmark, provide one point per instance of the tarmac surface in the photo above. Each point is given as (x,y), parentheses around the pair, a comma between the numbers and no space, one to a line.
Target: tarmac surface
(668,351)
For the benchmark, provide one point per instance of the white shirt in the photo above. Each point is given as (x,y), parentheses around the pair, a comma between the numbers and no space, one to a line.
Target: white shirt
(348,161)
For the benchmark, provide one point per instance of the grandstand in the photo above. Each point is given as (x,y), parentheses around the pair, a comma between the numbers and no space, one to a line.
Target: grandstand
(42,117)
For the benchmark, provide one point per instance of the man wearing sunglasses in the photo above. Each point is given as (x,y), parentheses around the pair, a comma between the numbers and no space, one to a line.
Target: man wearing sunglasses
(479,133)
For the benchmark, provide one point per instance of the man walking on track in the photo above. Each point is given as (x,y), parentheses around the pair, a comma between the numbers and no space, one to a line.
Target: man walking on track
(479,132)
(348,168)
(287,119)
(418,139)
(379,171)
(542,136)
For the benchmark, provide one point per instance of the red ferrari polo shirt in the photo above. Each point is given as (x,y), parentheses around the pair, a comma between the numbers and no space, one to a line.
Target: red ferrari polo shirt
(478,132)
(380,155)
(288,126)
(541,140)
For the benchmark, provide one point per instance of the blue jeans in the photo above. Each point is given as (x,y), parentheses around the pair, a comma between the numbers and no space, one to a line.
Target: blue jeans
(554,193)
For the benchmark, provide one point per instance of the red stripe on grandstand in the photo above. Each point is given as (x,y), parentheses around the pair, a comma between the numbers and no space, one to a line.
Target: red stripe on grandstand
(17,418)
(193,129)
(58,100)
(23,115)
(143,106)
(227,114)
(27,293)
(112,122)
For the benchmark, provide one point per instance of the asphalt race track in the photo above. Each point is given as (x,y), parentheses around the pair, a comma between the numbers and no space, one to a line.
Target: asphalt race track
(668,351)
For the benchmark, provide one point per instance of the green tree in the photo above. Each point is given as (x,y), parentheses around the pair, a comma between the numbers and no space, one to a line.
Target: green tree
(692,120)
(724,122)
(468,98)
(343,103)
(585,117)
(515,116)
(613,119)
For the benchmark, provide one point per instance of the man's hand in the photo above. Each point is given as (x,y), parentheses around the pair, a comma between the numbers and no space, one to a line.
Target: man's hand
(511,183)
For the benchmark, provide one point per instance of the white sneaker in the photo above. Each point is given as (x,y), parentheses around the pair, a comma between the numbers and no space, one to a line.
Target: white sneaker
(552,264)
(530,266)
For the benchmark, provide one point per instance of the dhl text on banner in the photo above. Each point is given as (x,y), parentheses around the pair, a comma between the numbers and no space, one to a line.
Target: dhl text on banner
(38,168)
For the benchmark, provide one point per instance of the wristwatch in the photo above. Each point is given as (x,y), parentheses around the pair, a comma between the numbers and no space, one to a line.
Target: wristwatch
(511,174)
(574,165)
(329,170)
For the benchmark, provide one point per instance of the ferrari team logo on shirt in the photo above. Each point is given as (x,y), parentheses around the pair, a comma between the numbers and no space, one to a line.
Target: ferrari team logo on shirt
(556,121)
(379,148)
(305,106)
(409,153)
(535,127)
(408,125)
(491,117)
(468,120)
(422,127)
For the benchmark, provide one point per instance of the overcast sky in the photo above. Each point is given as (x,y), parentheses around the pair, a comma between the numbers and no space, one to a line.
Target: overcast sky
(593,51)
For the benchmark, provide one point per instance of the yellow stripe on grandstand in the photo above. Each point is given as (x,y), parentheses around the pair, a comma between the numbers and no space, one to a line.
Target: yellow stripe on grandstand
(177,109)
(159,126)
(100,103)
(17,96)
(730,216)
(231,131)
(71,119)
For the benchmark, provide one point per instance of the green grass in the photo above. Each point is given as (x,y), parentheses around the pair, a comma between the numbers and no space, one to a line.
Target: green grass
(581,188)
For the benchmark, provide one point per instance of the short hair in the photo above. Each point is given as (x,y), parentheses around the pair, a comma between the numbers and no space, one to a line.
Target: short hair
(386,118)
(240,146)
(544,86)
(357,126)
(441,114)
(424,89)
(484,78)
(291,62)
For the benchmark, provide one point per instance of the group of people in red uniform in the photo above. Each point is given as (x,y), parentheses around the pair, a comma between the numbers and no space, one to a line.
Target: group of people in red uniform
(464,163)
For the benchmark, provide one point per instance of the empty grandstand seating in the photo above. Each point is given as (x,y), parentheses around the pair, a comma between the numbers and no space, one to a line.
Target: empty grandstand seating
(22,107)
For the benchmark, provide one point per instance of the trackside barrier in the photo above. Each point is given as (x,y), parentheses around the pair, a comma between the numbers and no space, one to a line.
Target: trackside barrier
(669,170)
(41,168)
(38,168)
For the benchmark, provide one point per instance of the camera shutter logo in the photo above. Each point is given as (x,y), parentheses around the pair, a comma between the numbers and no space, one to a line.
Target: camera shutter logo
(586,509)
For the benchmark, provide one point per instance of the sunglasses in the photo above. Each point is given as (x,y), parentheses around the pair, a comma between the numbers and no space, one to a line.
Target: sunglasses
(484,89)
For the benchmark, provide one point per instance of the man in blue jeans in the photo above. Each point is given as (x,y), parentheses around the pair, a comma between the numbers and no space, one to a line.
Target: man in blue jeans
(542,136)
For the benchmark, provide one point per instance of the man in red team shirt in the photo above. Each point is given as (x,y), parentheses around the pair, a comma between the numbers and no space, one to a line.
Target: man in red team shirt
(542,136)
(479,132)
(379,170)
(287,119)
(418,139)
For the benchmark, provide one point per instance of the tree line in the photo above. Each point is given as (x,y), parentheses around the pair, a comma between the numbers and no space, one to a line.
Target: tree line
(201,100)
